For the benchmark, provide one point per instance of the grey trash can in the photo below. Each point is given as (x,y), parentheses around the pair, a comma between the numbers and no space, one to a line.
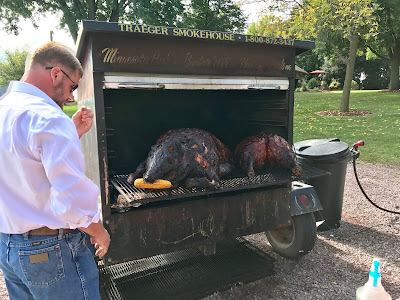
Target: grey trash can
(330,155)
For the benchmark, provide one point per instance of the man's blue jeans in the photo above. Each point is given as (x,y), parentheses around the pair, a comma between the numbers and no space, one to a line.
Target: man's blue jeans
(48,267)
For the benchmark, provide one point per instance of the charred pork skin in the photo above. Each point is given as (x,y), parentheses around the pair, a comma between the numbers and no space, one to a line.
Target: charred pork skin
(251,154)
(273,150)
(188,156)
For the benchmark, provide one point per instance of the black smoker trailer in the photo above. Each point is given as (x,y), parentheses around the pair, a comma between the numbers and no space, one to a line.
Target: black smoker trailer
(142,81)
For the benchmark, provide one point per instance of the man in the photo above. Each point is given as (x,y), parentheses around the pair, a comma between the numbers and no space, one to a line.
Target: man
(46,202)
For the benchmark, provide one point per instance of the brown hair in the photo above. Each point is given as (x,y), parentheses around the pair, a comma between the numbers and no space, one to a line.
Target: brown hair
(53,53)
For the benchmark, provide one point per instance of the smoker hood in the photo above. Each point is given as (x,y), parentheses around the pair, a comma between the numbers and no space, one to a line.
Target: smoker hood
(90,27)
(130,48)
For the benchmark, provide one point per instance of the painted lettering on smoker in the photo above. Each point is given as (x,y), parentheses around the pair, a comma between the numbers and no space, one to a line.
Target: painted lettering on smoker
(111,56)
(189,61)
(205,34)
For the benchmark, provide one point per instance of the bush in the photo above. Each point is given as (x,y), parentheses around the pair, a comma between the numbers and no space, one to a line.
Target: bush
(334,84)
(354,85)
(313,83)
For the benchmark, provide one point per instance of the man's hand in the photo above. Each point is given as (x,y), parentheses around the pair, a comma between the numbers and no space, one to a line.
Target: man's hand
(99,237)
(83,120)
(101,243)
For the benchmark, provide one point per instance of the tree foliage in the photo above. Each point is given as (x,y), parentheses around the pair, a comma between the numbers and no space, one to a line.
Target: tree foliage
(312,60)
(157,12)
(386,45)
(341,24)
(221,15)
(270,25)
(375,72)
(12,65)
(347,21)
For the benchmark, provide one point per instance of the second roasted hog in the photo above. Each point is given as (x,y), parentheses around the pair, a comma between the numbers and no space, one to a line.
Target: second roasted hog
(270,149)
(188,156)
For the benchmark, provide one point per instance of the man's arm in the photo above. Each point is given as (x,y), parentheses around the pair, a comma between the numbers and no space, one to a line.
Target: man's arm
(99,237)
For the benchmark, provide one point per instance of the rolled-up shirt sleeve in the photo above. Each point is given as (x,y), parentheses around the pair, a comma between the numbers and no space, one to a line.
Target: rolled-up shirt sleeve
(73,197)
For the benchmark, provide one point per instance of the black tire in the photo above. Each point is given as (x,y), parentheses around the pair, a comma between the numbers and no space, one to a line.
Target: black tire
(296,240)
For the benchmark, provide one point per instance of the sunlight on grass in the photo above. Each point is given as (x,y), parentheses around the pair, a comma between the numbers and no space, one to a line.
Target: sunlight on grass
(70,110)
(380,130)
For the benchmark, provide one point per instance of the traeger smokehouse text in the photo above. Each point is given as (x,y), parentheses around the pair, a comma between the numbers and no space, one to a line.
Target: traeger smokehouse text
(205,34)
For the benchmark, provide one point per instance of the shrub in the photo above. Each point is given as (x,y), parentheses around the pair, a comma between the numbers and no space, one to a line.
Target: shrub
(354,85)
(313,83)
(303,88)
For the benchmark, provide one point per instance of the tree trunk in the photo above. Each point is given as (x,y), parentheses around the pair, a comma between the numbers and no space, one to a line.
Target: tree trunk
(114,17)
(351,61)
(92,7)
(394,69)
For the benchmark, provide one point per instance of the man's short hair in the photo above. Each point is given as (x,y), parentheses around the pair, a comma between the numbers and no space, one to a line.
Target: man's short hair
(53,53)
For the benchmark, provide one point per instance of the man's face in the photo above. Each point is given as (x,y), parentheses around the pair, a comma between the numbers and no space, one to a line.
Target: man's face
(58,94)
(63,91)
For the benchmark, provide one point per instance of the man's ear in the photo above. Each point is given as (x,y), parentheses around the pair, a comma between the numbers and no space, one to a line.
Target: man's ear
(55,72)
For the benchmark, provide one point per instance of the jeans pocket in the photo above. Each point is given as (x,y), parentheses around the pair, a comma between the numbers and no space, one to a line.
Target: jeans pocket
(43,266)
(76,240)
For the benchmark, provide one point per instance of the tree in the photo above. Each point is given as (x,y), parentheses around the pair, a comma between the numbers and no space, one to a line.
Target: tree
(375,73)
(222,15)
(270,25)
(157,12)
(211,14)
(72,11)
(339,23)
(12,65)
(386,45)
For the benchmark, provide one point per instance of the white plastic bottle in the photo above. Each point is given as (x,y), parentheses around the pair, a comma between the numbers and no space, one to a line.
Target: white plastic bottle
(373,289)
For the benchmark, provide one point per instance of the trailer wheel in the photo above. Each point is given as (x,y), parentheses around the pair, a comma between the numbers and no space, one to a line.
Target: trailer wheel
(296,240)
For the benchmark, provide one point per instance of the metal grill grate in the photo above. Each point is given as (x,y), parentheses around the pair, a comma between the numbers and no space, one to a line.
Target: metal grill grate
(130,196)
(186,274)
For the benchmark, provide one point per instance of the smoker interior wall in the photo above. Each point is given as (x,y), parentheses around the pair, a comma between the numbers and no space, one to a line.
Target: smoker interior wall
(136,118)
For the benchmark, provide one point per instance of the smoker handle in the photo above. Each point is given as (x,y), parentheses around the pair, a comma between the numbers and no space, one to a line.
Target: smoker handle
(140,86)
(264,87)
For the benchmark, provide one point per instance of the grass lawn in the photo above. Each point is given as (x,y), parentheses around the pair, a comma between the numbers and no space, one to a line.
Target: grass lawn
(70,110)
(380,131)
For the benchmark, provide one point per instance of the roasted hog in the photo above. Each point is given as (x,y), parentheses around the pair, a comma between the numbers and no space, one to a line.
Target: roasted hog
(188,156)
(251,154)
(255,151)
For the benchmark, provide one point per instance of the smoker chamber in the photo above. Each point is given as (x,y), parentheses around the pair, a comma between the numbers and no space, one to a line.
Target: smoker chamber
(142,81)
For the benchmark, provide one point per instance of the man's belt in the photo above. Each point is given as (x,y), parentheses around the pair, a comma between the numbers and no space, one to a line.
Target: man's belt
(48,231)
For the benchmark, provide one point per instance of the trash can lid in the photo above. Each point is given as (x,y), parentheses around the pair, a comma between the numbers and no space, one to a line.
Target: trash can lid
(322,148)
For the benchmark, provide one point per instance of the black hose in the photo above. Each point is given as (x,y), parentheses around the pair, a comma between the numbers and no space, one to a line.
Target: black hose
(365,194)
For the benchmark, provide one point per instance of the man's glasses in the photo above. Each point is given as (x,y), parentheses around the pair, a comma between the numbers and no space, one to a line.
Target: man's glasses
(75,85)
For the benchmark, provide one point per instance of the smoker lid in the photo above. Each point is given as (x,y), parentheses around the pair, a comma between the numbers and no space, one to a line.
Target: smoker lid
(107,28)
(322,148)
(147,49)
